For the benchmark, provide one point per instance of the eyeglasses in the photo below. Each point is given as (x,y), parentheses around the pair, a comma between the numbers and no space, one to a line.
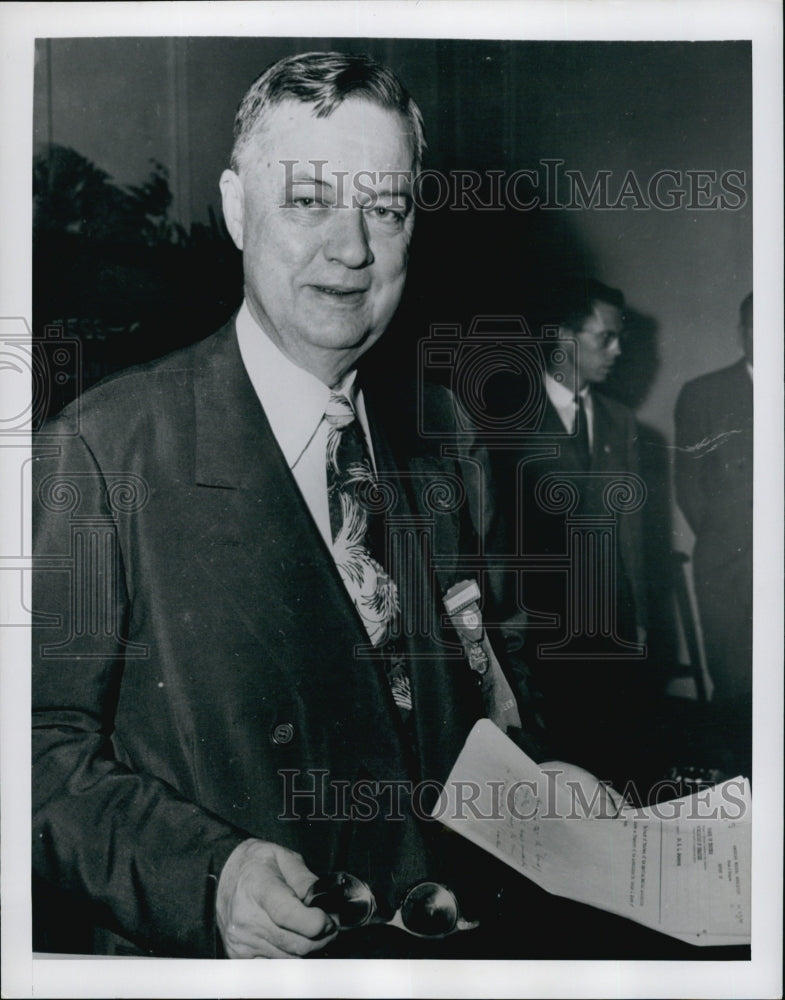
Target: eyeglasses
(428,910)
(606,338)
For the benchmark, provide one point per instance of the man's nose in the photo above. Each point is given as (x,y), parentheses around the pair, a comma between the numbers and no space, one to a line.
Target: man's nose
(614,346)
(347,240)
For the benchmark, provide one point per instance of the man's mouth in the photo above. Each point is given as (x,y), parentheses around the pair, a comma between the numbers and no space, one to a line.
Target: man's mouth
(339,291)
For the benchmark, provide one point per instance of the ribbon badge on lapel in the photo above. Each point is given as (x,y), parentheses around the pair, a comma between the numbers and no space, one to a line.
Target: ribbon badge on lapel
(461,603)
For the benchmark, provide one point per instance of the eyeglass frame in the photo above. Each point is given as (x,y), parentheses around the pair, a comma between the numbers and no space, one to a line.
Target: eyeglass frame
(339,881)
(607,338)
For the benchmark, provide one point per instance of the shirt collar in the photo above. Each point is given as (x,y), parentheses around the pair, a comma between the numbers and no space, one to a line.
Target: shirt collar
(293,399)
(559,394)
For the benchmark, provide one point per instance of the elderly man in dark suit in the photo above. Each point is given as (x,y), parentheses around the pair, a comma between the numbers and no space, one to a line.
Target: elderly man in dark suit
(241,677)
(714,449)
(571,499)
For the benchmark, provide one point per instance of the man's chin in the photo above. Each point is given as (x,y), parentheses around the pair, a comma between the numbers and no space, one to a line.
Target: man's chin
(344,338)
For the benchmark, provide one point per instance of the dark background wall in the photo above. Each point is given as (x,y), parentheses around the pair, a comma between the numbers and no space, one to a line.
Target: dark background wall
(127,104)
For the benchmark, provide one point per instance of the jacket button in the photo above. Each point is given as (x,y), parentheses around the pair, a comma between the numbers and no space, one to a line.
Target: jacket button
(283,733)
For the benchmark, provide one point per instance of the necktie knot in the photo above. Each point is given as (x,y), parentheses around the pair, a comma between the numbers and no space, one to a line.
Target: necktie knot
(339,412)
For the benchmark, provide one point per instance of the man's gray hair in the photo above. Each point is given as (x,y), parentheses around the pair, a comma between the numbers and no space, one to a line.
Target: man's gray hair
(324,79)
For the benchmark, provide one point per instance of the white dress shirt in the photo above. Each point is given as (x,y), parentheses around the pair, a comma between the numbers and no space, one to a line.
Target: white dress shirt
(565,405)
(294,402)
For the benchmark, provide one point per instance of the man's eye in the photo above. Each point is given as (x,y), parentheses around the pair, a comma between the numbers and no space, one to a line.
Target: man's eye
(388,215)
(304,202)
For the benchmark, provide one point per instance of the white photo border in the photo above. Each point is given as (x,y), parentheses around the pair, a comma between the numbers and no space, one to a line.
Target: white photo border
(758,20)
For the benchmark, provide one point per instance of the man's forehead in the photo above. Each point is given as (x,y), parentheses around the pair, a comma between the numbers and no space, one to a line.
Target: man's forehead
(358,133)
(605,315)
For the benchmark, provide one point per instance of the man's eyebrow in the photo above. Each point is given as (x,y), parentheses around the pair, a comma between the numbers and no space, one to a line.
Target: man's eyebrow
(394,191)
(305,178)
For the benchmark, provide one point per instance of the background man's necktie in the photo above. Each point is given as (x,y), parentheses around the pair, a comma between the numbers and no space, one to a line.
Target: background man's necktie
(358,539)
(582,432)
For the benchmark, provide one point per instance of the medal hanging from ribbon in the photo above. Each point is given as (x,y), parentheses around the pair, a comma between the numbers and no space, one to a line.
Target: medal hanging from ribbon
(461,603)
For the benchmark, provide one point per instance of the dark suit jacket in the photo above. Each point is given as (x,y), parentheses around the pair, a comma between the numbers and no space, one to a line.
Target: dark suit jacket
(714,466)
(194,641)
(589,686)
(533,530)
(714,422)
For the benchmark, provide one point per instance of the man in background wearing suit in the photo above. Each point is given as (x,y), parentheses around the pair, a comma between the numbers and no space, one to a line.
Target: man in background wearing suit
(714,449)
(571,499)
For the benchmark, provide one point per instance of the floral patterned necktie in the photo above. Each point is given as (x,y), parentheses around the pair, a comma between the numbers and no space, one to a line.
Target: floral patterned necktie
(358,539)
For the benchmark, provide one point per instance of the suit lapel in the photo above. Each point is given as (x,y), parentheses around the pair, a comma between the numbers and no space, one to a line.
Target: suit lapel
(741,392)
(267,554)
(569,460)
(608,448)
(266,551)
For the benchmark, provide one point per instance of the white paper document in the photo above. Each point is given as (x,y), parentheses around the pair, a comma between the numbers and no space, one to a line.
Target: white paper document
(681,867)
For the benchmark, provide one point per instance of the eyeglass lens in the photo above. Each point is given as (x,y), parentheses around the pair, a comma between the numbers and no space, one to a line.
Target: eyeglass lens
(345,897)
(428,909)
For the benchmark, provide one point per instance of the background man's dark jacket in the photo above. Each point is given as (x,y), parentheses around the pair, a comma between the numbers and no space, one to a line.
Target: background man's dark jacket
(584,698)
(714,466)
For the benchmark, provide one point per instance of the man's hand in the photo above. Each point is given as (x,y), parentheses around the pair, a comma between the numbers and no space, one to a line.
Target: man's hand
(259,908)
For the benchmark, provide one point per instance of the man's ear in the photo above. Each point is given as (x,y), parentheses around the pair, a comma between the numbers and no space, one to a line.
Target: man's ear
(233,201)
